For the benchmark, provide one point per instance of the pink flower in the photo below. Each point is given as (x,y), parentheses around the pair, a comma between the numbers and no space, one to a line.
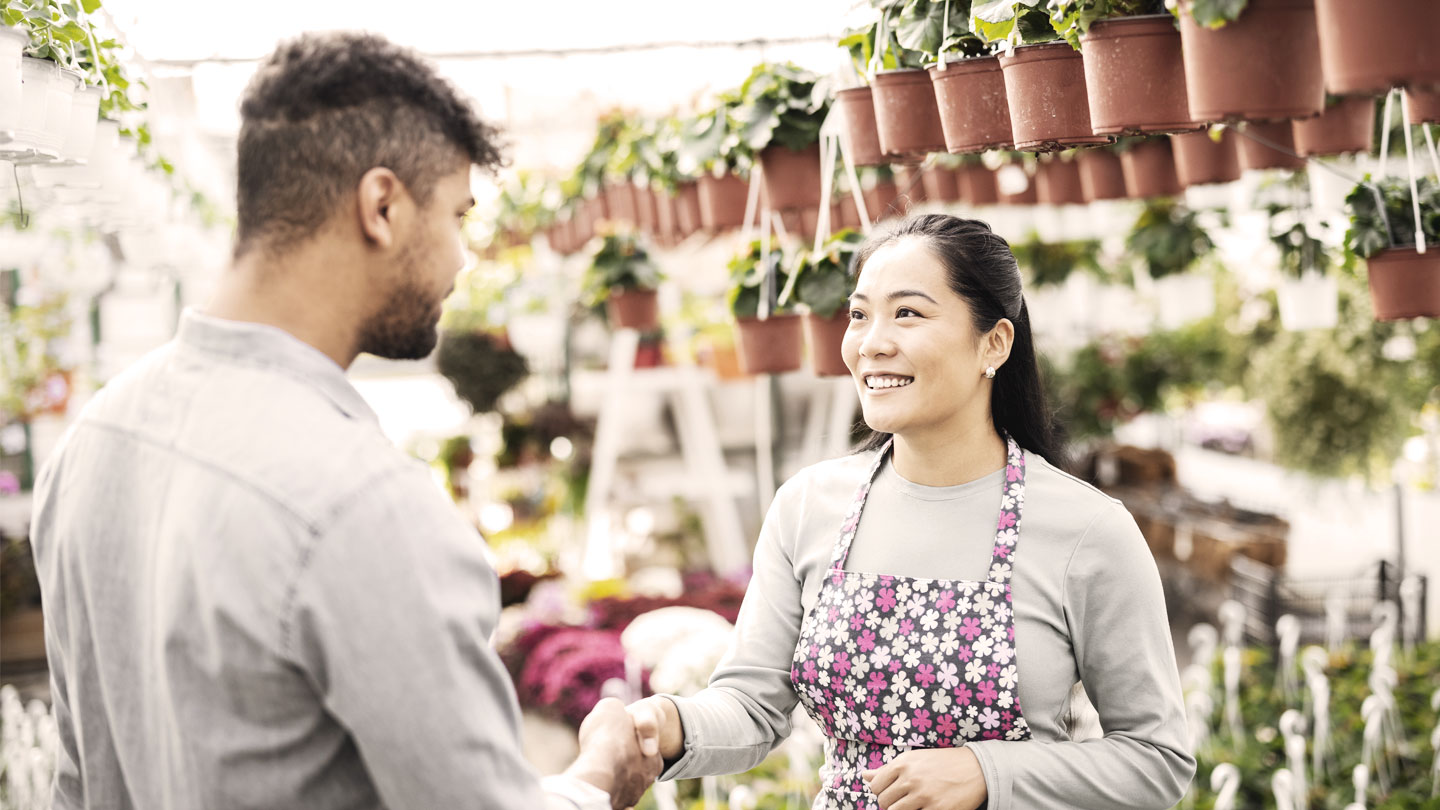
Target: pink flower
(970,628)
(1002,552)
(993,670)
(876,760)
(1007,519)
(946,601)
(834,613)
(945,727)
(987,692)
(965,653)
(907,627)
(963,695)
(989,718)
(842,664)
(922,720)
(925,675)
(1012,474)
(877,682)
(887,600)
(810,670)
(856,621)
(867,641)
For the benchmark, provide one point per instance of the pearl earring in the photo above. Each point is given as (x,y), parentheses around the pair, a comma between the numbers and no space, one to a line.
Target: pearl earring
(989,372)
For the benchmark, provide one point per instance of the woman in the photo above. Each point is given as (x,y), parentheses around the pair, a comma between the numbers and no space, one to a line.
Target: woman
(910,622)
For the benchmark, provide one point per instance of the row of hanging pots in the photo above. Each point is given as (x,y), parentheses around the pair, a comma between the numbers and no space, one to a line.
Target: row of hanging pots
(776,345)
(47,113)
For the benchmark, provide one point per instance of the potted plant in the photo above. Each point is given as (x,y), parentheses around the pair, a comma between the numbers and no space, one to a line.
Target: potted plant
(1308,293)
(856,105)
(1168,241)
(1369,48)
(481,366)
(1423,106)
(781,110)
(969,85)
(1149,167)
(907,117)
(1134,74)
(882,195)
(769,345)
(1203,158)
(1346,126)
(941,181)
(40,120)
(713,148)
(1268,145)
(1049,264)
(1102,177)
(1057,180)
(822,282)
(976,181)
(1239,66)
(622,277)
(1015,179)
(1404,283)
(1044,77)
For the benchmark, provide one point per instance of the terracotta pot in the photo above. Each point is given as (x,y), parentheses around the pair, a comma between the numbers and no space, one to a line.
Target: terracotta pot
(1150,170)
(809,222)
(1257,155)
(847,213)
(770,346)
(1058,183)
(1404,283)
(667,226)
(1135,76)
(907,179)
(824,336)
(1201,161)
(974,114)
(1029,196)
(722,202)
(1348,126)
(647,218)
(792,178)
(941,185)
(1101,175)
(633,309)
(857,109)
(1424,106)
(596,209)
(620,203)
(1249,69)
(883,201)
(687,209)
(977,185)
(906,115)
(1045,88)
(1370,46)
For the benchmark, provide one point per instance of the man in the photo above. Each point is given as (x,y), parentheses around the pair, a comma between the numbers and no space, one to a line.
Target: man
(252,599)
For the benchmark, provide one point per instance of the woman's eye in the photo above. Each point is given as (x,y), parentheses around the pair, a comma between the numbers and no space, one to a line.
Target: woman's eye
(900,313)
(856,315)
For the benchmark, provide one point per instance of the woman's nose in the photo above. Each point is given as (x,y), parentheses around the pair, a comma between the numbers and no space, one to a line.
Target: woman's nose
(876,342)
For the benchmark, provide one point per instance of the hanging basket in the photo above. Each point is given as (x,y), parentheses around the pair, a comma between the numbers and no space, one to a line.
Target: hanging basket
(633,309)
(1045,88)
(687,209)
(1058,183)
(1370,46)
(1345,128)
(1150,170)
(1201,160)
(792,178)
(1309,302)
(1135,76)
(646,217)
(80,132)
(1424,106)
(977,185)
(974,113)
(667,225)
(1405,283)
(722,202)
(12,47)
(906,115)
(1101,175)
(941,185)
(620,203)
(1263,66)
(824,336)
(771,346)
(857,109)
(1255,155)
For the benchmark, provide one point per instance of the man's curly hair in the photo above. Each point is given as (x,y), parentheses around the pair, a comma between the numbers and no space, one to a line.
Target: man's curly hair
(326,108)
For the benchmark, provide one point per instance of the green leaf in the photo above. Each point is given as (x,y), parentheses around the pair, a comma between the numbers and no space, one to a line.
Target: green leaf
(995,32)
(1216,13)
(994,11)
(90,6)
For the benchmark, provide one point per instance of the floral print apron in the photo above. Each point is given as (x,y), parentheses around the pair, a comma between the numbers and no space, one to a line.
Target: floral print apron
(885,664)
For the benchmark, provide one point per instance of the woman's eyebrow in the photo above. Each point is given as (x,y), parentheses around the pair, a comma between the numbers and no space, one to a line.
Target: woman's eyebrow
(897,294)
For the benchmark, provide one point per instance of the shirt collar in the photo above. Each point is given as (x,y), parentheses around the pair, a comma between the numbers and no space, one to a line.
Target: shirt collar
(260,344)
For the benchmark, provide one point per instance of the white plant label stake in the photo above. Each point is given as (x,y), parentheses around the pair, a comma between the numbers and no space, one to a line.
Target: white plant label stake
(1361,778)
(1314,660)
(1225,781)
(1282,784)
(1373,755)
(1335,621)
(1287,630)
(1292,728)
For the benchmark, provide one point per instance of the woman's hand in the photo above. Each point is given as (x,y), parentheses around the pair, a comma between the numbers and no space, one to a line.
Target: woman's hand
(929,778)
(657,717)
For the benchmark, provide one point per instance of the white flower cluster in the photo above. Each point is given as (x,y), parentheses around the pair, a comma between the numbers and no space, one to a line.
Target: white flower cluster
(680,646)
(28,746)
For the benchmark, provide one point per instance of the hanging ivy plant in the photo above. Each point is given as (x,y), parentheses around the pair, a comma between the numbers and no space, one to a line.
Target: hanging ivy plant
(1167,237)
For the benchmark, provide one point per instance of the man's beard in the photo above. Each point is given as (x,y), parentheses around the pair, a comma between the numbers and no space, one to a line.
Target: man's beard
(405,329)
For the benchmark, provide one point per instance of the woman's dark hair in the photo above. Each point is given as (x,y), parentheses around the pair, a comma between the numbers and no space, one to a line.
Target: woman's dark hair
(982,270)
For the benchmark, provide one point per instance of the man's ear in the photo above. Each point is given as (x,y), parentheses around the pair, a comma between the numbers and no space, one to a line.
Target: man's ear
(375,198)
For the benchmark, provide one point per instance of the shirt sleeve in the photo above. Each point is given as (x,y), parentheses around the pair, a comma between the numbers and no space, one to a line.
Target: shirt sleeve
(1115,608)
(732,725)
(391,619)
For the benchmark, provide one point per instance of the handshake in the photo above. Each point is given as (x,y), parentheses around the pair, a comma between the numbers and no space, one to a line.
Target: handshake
(623,749)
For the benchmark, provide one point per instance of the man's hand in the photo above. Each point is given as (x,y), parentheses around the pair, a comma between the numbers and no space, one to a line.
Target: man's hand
(932,778)
(613,757)
(656,717)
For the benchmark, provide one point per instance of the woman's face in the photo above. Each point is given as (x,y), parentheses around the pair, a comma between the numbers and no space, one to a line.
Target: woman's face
(912,348)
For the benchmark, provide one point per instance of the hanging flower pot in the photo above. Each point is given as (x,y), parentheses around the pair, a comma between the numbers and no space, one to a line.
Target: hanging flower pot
(824,336)
(771,346)
(1424,106)
(80,132)
(1057,182)
(633,309)
(1309,302)
(645,209)
(906,114)
(1184,298)
(792,178)
(36,76)
(1135,76)
(1255,154)
(974,114)
(596,209)
(1345,127)
(1150,170)
(1372,46)
(857,110)
(620,203)
(907,179)
(722,202)
(1045,88)
(1264,65)
(1101,175)
(12,47)
(977,185)
(1405,283)
(846,212)
(1016,185)
(883,201)
(941,185)
(687,209)
(667,226)
(1201,160)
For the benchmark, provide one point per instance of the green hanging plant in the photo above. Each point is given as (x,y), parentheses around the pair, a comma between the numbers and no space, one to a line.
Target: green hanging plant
(782,104)
(747,275)
(823,281)
(1168,238)
(620,263)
